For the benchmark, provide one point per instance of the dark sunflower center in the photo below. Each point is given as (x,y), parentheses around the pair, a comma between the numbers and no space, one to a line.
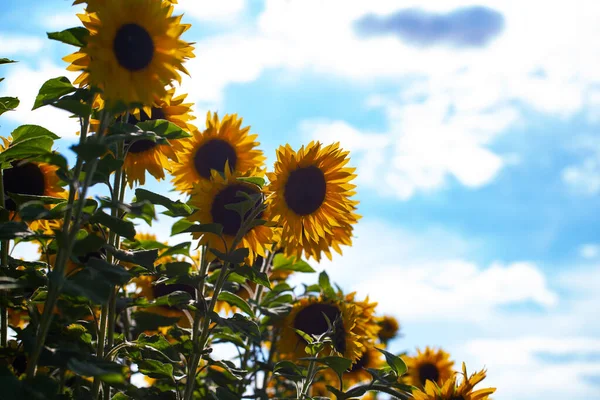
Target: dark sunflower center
(133,47)
(162,289)
(23,178)
(428,372)
(361,362)
(457,398)
(230,219)
(305,190)
(310,320)
(140,146)
(213,155)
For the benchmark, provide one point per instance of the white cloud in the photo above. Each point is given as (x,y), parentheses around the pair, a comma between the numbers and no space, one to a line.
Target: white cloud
(212,11)
(589,251)
(11,45)
(584,176)
(453,104)
(62,21)
(519,371)
(24,82)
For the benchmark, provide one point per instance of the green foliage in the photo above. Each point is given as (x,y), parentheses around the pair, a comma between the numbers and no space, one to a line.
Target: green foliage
(8,104)
(73,36)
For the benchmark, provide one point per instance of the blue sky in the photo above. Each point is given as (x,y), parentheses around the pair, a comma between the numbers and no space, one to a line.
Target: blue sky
(473,126)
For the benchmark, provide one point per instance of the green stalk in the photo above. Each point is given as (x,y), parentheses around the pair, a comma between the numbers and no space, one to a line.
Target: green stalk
(309,379)
(223,273)
(64,252)
(4,264)
(108,314)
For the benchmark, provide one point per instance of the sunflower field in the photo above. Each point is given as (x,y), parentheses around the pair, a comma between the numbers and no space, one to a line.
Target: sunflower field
(104,310)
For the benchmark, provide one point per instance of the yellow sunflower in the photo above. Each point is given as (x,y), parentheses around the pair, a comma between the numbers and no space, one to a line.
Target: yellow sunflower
(312,199)
(222,142)
(451,391)
(370,358)
(147,155)
(429,365)
(307,316)
(133,51)
(389,328)
(211,198)
(91,4)
(31,178)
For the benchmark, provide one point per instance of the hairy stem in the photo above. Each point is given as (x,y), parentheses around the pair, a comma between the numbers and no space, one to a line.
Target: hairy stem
(3,265)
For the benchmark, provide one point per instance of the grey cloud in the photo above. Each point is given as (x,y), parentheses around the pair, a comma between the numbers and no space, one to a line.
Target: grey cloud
(472,26)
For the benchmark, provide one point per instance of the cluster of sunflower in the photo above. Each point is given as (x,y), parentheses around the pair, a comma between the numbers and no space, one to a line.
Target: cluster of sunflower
(103,304)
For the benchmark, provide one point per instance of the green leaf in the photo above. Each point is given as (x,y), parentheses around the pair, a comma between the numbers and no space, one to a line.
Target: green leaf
(305,336)
(178,208)
(73,36)
(255,180)
(217,229)
(155,369)
(88,284)
(180,248)
(53,90)
(6,61)
(338,364)
(178,297)
(74,105)
(180,226)
(106,166)
(226,394)
(90,150)
(243,325)
(145,258)
(8,103)
(252,275)
(88,245)
(24,198)
(288,370)
(117,225)
(238,256)
(13,230)
(178,268)
(156,341)
(163,128)
(106,371)
(281,262)
(113,273)
(28,133)
(236,301)
(395,362)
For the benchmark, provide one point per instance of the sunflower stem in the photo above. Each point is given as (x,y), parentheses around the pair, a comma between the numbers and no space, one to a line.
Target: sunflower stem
(69,232)
(4,265)
(310,376)
(109,312)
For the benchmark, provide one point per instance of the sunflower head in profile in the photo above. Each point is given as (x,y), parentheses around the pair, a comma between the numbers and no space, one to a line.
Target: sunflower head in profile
(429,365)
(311,199)
(389,328)
(133,50)
(147,155)
(223,142)
(450,390)
(307,316)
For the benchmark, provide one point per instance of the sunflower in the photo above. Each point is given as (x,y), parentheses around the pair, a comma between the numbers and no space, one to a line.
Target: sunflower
(211,199)
(133,50)
(31,178)
(389,328)
(429,365)
(307,316)
(147,155)
(91,4)
(312,199)
(451,391)
(221,143)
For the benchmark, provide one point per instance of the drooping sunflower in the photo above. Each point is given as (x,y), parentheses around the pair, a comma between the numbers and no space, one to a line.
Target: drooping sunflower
(133,50)
(147,155)
(389,328)
(222,142)
(307,316)
(450,390)
(211,198)
(429,365)
(311,199)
